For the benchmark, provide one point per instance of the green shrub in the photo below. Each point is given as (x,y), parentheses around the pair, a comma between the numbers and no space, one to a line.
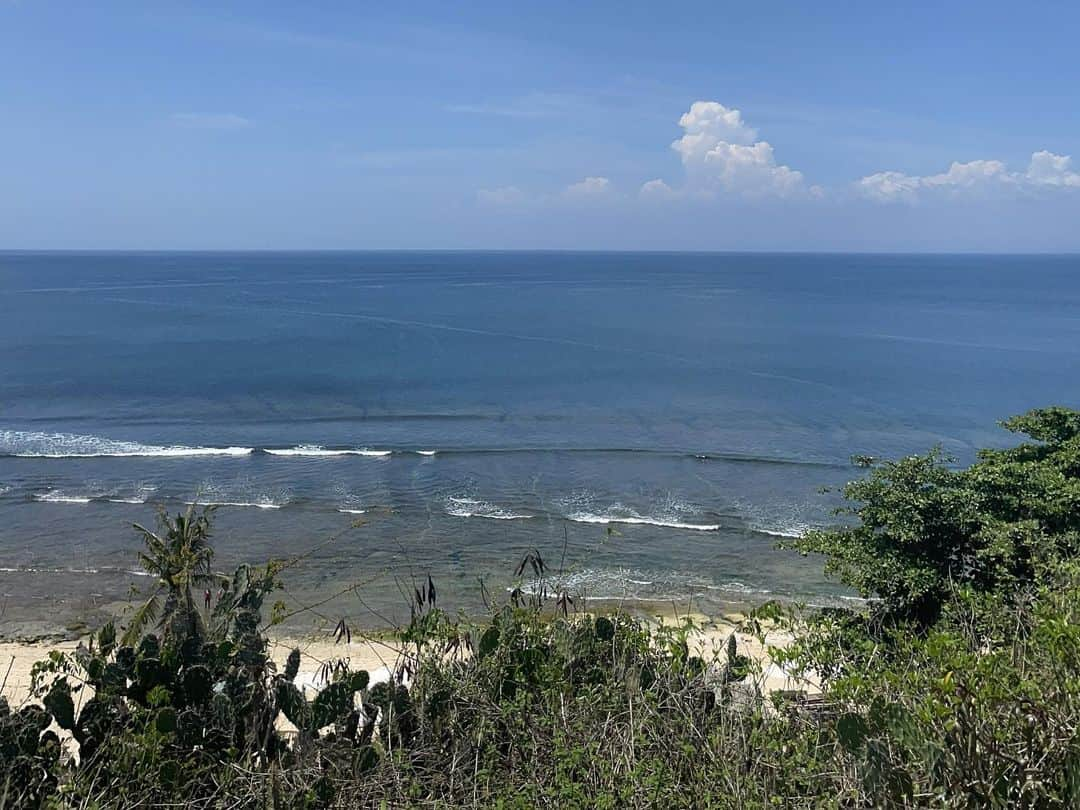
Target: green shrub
(956,686)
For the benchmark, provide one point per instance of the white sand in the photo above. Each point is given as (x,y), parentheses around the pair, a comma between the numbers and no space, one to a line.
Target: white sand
(17,659)
(379,657)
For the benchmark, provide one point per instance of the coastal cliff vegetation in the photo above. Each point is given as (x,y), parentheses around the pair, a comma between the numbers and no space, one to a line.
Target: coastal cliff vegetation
(953,683)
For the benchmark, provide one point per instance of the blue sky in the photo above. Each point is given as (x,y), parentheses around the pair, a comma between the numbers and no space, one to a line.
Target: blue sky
(726,126)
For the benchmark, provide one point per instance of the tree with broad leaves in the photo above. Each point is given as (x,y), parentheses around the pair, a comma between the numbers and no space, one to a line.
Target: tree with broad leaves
(921,530)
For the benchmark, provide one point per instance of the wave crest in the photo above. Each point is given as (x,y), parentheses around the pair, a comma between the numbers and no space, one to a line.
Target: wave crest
(58,496)
(471,507)
(640,520)
(35,444)
(317,451)
(259,504)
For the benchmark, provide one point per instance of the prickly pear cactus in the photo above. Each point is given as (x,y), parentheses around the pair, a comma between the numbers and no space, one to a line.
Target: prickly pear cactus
(29,755)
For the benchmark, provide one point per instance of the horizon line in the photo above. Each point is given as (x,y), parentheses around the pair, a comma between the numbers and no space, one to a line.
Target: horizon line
(608,251)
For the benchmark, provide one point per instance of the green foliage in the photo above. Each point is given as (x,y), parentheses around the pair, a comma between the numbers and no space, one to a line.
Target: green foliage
(958,685)
(170,716)
(953,723)
(179,556)
(29,756)
(921,529)
(962,679)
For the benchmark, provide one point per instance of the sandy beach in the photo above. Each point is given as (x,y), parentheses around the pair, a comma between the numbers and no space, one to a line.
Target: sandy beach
(379,656)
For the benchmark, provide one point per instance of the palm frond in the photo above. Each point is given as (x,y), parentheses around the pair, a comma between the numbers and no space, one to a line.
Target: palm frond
(143,617)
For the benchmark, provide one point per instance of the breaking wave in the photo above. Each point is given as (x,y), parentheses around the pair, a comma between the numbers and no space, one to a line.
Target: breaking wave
(471,507)
(29,569)
(631,517)
(259,504)
(58,496)
(317,451)
(667,512)
(611,584)
(794,532)
(34,444)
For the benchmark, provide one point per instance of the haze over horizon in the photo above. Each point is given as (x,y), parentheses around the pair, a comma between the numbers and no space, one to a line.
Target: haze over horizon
(697,127)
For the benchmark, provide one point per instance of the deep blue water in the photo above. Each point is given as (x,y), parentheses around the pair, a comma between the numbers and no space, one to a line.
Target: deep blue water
(700,400)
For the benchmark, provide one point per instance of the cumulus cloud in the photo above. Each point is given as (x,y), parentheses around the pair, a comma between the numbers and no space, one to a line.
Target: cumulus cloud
(210,120)
(724,157)
(720,153)
(977,177)
(1048,169)
(969,175)
(589,187)
(884,186)
(711,119)
(657,190)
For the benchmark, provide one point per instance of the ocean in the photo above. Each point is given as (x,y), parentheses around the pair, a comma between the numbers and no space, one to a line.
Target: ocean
(652,423)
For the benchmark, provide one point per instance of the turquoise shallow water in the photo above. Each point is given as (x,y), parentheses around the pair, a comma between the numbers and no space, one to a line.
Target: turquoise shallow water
(474,405)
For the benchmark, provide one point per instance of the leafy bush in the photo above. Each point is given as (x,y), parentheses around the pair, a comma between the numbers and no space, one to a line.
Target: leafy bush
(957,686)
(923,530)
(165,720)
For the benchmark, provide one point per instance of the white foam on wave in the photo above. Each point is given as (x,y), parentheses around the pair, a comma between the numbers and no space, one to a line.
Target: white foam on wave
(317,451)
(29,569)
(35,444)
(57,496)
(667,512)
(640,520)
(793,532)
(738,587)
(427,452)
(241,493)
(309,450)
(471,507)
(261,504)
(345,511)
(618,584)
(96,493)
(635,585)
(140,495)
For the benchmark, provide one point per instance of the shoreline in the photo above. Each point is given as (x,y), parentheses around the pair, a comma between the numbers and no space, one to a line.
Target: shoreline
(64,621)
(373,650)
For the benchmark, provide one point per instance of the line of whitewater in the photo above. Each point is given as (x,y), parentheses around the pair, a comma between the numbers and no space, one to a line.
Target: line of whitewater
(41,445)
(317,451)
(642,520)
(464,507)
(28,569)
(37,445)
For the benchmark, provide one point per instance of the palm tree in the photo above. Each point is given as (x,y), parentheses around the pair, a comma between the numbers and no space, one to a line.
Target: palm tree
(179,555)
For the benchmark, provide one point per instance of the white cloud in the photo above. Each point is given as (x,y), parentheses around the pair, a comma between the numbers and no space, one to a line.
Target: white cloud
(885,186)
(657,190)
(721,154)
(589,187)
(504,195)
(713,119)
(1048,169)
(973,174)
(974,178)
(210,120)
(724,157)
